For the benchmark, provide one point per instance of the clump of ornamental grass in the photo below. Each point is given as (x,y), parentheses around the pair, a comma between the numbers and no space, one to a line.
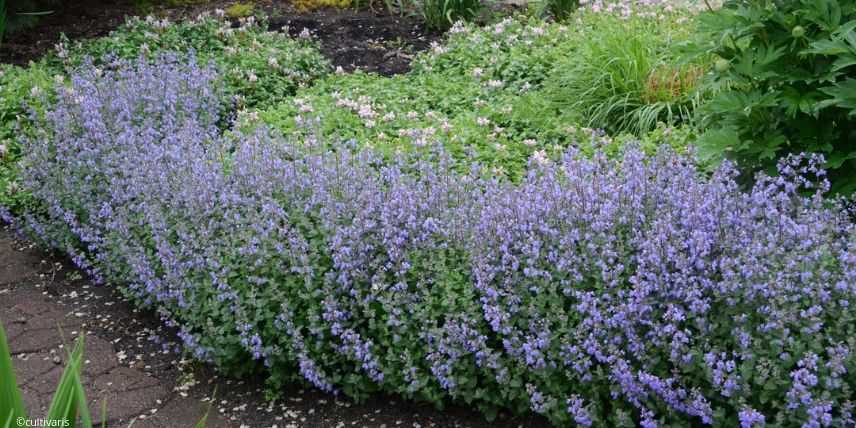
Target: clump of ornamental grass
(626,76)
(593,291)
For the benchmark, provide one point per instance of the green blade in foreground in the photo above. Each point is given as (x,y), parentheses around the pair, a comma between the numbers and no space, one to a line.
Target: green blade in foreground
(11,404)
(69,398)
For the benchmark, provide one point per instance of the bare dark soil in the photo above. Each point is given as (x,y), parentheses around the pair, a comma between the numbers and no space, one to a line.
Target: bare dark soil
(78,19)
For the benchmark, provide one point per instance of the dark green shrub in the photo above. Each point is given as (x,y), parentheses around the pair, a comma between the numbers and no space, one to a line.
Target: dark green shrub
(786,76)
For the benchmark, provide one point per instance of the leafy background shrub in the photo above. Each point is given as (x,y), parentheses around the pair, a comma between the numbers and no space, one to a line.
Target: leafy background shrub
(786,77)
(617,293)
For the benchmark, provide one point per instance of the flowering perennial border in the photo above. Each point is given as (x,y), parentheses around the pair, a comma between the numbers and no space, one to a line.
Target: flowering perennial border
(595,292)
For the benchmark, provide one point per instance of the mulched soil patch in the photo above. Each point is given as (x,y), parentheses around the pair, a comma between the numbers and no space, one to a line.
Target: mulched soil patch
(79,19)
(373,41)
(365,40)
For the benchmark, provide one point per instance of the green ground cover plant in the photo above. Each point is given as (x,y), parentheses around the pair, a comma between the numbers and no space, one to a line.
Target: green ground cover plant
(490,95)
(22,91)
(260,68)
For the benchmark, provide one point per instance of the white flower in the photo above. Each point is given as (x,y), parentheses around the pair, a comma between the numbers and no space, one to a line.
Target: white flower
(389,117)
(478,72)
(540,157)
(458,27)
(61,51)
(365,112)
(494,83)
(3,150)
(35,91)
(59,79)
(370,124)
(412,115)
(252,77)
(530,142)
(381,136)
(438,48)
(219,13)
(538,31)
(273,62)
(231,50)
(481,121)
(445,126)
(305,34)
(340,70)
(250,116)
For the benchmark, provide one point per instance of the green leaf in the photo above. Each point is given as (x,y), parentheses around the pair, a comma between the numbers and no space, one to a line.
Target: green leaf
(69,398)
(714,144)
(843,95)
(11,404)
(202,422)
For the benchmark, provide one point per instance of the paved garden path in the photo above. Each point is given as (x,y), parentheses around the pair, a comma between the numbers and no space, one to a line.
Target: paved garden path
(38,325)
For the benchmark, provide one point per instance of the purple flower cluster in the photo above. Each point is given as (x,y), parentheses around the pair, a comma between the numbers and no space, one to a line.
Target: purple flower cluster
(597,292)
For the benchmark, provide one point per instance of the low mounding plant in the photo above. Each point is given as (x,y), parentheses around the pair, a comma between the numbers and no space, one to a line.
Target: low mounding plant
(786,75)
(598,292)
(22,91)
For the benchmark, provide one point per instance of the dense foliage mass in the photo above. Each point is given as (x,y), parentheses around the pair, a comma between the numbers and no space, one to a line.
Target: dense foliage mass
(786,77)
(598,292)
